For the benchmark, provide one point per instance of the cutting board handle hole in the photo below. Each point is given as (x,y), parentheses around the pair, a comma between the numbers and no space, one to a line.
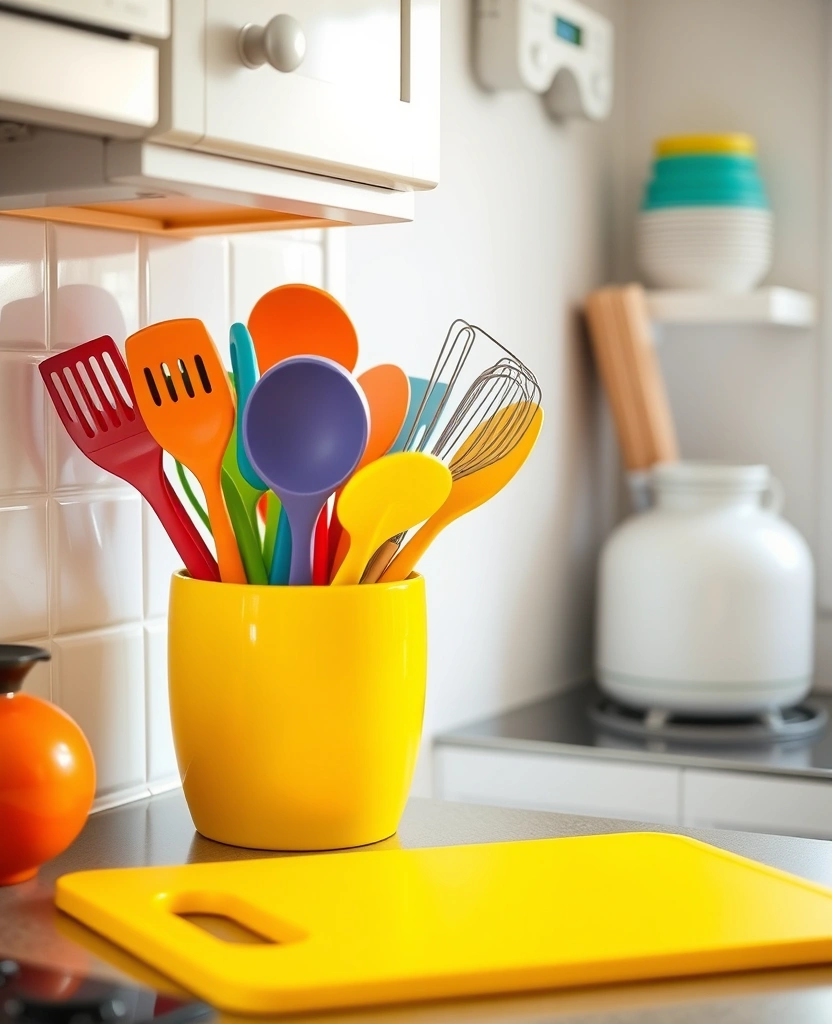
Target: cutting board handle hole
(227,929)
(230,919)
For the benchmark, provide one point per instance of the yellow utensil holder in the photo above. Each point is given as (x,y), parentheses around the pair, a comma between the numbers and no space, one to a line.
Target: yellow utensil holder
(297,711)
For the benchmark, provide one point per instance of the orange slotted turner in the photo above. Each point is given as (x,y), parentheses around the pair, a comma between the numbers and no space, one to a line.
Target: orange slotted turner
(186,400)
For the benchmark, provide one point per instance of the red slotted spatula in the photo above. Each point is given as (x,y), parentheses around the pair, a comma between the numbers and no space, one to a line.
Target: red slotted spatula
(91,390)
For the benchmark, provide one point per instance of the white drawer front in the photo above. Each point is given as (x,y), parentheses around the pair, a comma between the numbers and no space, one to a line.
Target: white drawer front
(52,74)
(554,783)
(757,803)
(353,43)
(362,104)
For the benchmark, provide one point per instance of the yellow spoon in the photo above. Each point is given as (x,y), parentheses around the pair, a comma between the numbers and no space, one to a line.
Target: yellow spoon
(467,493)
(386,497)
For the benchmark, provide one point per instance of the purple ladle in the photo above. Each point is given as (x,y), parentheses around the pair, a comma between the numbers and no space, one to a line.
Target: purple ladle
(305,428)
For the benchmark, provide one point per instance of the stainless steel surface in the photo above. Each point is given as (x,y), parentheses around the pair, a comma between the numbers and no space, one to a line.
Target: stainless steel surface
(563,724)
(777,725)
(159,831)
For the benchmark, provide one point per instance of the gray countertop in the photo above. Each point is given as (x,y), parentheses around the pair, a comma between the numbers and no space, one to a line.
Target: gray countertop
(159,831)
(563,724)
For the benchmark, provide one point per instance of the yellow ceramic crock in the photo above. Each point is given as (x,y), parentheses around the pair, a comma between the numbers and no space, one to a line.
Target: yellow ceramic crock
(297,711)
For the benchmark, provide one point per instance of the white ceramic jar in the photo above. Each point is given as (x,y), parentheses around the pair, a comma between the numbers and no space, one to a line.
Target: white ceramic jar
(706,601)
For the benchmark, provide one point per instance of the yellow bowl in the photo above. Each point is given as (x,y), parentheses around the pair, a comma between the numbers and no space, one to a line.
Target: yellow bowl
(297,711)
(683,145)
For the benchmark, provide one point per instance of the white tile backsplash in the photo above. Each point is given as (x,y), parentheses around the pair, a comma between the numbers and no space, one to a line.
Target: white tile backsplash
(160,562)
(94,284)
(22,285)
(262,262)
(84,564)
(186,275)
(22,418)
(99,681)
(97,561)
(24,600)
(161,759)
(39,679)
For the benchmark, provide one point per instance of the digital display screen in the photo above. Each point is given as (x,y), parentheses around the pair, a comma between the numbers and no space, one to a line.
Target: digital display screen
(568,31)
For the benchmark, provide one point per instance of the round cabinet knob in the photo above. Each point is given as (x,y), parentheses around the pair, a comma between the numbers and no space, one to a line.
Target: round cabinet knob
(280,42)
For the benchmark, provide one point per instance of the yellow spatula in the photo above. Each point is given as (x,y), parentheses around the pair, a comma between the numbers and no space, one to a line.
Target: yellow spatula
(386,497)
(467,493)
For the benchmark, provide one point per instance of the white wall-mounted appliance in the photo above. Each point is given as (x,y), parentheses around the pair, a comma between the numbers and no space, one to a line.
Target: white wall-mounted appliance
(178,116)
(560,48)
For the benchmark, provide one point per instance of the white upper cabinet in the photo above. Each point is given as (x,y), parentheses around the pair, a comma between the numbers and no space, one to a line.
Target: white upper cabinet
(361,105)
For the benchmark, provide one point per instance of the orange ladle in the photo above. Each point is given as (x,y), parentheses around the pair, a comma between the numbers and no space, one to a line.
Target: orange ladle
(387,390)
(301,320)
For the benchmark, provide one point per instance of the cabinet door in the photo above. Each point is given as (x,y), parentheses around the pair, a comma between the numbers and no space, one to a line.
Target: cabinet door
(362,105)
(757,803)
(546,782)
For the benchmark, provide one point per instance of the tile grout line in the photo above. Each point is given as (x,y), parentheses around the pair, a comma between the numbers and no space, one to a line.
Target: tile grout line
(143,297)
(145,285)
(49,284)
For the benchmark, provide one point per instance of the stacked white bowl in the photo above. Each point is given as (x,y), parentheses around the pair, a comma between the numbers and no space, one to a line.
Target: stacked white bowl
(705,221)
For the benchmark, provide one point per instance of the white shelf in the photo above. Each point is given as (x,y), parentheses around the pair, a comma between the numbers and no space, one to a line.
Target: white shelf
(765,306)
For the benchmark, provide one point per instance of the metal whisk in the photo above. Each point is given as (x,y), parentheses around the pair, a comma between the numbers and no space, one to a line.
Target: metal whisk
(464,344)
(492,417)
(489,421)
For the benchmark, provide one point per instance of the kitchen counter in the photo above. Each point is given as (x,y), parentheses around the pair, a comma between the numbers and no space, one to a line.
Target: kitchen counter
(159,831)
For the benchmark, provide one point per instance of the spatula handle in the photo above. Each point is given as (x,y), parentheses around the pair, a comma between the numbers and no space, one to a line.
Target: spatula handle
(379,562)
(341,548)
(320,557)
(406,560)
(228,554)
(196,504)
(303,515)
(179,527)
(248,542)
(281,559)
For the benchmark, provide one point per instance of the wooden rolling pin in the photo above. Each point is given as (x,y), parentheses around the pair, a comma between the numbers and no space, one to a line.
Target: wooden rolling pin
(619,328)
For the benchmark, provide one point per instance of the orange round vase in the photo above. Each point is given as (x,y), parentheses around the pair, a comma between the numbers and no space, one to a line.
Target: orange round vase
(47,772)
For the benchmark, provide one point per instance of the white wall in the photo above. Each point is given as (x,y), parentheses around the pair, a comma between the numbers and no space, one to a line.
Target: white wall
(749,394)
(512,239)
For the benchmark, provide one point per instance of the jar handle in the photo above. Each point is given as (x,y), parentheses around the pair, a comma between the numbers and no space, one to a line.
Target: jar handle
(774,497)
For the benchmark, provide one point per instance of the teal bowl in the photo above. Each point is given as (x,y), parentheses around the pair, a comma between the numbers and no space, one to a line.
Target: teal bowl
(667,204)
(692,177)
(705,179)
(664,202)
(703,194)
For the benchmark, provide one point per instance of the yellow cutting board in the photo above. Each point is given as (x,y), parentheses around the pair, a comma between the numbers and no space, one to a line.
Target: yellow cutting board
(397,925)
